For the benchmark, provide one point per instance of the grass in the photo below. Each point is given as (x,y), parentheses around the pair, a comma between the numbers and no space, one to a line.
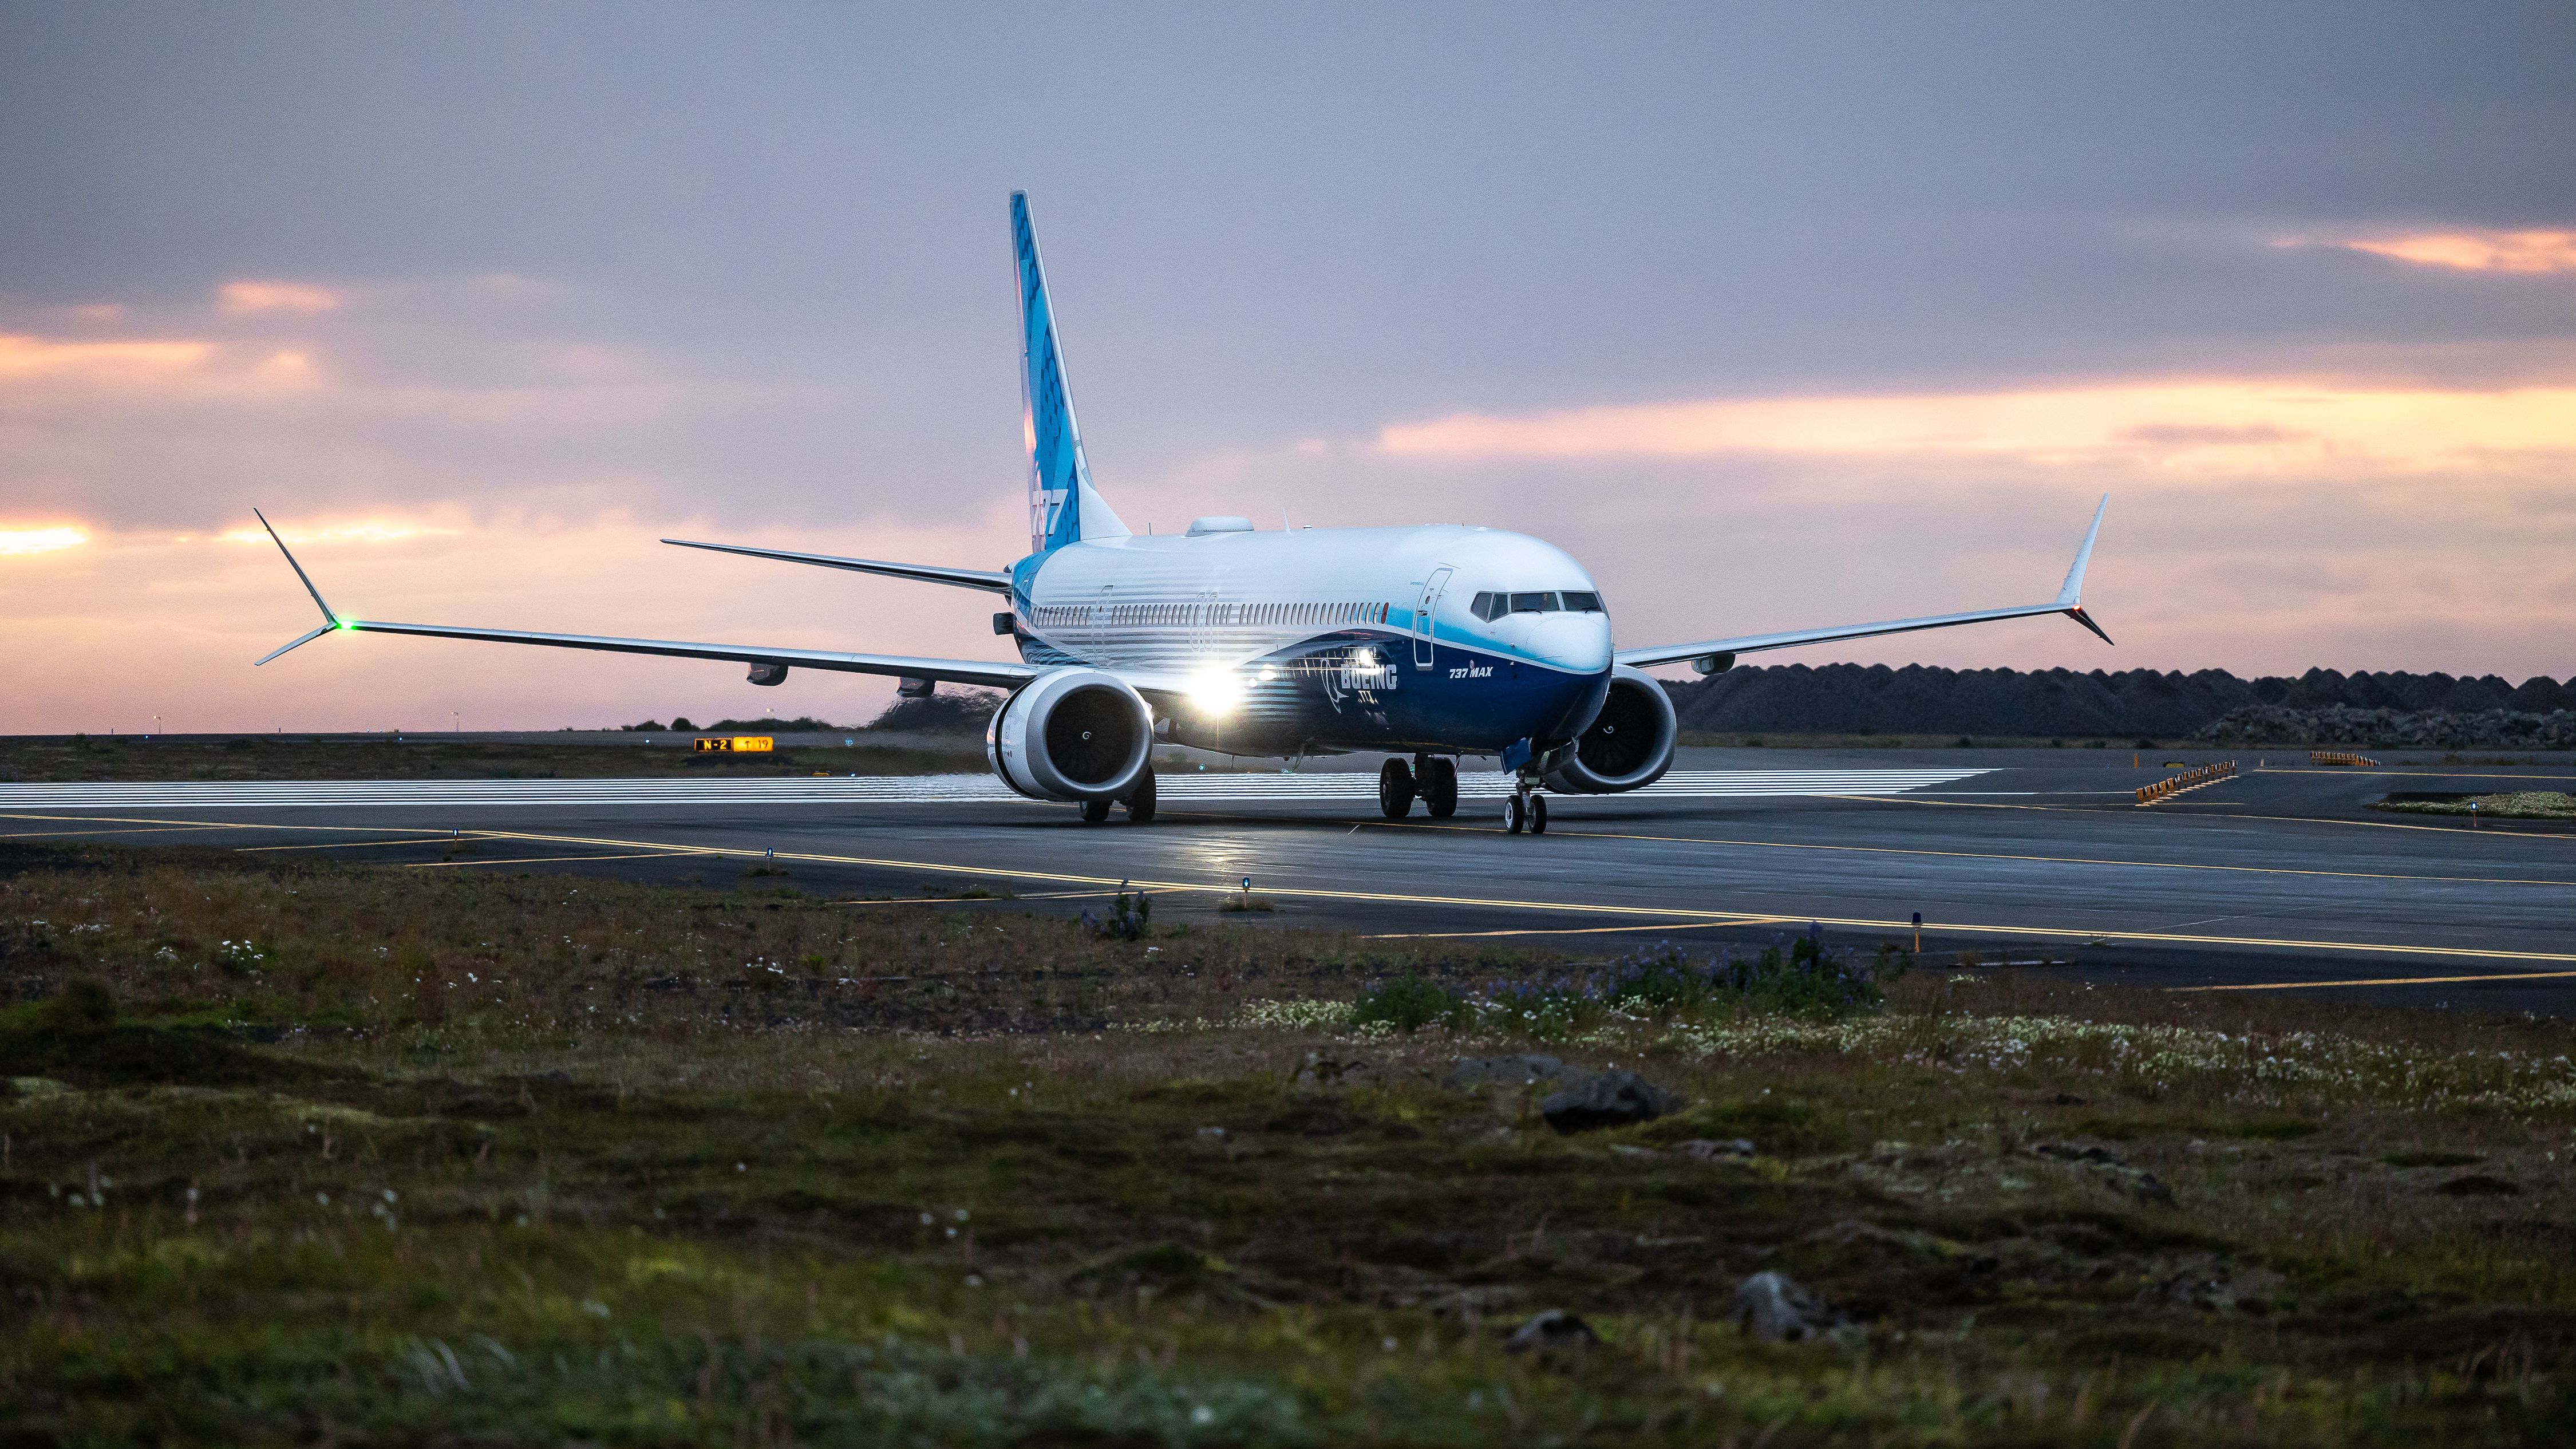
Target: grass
(40,758)
(323,1152)
(2511,805)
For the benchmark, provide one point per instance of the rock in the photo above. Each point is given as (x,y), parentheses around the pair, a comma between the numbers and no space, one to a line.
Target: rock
(1611,1099)
(1549,1331)
(1321,1072)
(1710,1150)
(2479,1184)
(1522,1070)
(2107,1166)
(1775,1308)
(2143,1185)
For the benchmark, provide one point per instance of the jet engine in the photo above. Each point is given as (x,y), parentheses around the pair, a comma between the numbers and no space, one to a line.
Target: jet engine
(1072,734)
(1628,745)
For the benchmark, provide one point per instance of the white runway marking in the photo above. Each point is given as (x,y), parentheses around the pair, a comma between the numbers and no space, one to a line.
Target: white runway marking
(1173,788)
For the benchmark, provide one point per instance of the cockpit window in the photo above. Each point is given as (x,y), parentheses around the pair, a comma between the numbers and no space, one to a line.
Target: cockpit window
(1491,606)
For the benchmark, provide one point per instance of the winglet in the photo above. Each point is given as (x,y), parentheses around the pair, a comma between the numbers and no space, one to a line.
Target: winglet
(330,621)
(2071,597)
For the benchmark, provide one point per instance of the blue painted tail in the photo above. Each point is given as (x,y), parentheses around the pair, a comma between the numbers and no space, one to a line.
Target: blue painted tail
(1062,506)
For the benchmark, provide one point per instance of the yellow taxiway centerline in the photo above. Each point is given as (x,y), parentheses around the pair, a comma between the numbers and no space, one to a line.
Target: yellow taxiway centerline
(1578,930)
(553,859)
(2489,829)
(1995,855)
(2379,981)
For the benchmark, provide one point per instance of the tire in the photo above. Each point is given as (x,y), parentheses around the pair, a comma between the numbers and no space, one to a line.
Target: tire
(1095,811)
(1140,805)
(1515,816)
(1395,789)
(1538,815)
(1440,787)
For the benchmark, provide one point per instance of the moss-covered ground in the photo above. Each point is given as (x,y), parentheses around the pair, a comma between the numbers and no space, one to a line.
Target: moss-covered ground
(330,1154)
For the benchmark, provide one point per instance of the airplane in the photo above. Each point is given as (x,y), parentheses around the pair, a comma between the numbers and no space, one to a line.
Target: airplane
(1433,642)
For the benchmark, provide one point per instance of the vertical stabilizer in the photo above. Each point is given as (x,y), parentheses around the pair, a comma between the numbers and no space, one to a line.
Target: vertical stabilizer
(1062,506)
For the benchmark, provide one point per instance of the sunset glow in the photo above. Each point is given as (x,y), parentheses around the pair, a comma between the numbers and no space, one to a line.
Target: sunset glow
(22,357)
(242,298)
(15,541)
(2245,426)
(2527,252)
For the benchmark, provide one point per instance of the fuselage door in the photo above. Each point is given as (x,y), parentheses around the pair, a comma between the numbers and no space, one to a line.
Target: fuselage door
(1431,589)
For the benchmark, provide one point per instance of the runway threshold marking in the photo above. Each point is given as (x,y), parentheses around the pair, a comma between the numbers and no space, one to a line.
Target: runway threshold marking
(1994,855)
(1737,918)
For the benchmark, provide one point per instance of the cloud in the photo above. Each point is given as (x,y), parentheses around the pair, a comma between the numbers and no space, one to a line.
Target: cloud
(2524,252)
(364,530)
(240,299)
(23,357)
(2240,427)
(39,540)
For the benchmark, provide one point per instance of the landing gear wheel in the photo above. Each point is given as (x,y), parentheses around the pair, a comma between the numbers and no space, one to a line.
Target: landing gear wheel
(1140,805)
(1515,816)
(1538,815)
(1439,786)
(1094,811)
(1395,789)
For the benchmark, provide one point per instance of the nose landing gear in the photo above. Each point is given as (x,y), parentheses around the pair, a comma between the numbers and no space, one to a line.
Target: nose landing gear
(1526,810)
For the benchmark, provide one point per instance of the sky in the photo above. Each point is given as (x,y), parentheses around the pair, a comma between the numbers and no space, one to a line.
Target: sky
(1775,317)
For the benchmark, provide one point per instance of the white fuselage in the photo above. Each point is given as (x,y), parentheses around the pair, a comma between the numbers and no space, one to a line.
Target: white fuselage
(1329,638)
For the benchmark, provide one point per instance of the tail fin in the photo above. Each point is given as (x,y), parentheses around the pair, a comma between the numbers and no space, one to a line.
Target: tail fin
(1062,507)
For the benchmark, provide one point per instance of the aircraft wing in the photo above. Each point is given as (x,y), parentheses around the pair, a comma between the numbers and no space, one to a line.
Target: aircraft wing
(2069,601)
(990,673)
(996,582)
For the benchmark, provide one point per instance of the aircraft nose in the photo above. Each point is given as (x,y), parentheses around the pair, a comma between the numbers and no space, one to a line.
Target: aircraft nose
(1577,643)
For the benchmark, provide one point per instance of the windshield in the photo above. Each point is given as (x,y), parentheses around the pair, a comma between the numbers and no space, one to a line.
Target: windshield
(1494,605)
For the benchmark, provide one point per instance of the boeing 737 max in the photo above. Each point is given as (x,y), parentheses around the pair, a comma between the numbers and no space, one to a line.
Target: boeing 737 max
(1430,642)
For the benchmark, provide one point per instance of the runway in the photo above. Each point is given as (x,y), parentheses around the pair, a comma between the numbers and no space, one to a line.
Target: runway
(2279,879)
(759,793)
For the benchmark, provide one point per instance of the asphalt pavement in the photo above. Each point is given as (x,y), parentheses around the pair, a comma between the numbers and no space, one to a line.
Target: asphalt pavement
(2278,878)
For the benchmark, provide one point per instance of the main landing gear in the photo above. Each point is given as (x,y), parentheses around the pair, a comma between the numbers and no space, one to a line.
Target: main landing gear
(1525,810)
(1433,779)
(1139,803)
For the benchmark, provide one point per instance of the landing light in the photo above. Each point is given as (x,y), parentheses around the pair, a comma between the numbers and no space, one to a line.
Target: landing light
(1215,691)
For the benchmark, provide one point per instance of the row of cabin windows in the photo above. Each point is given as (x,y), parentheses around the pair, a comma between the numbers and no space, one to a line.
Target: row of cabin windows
(1490,607)
(1063,616)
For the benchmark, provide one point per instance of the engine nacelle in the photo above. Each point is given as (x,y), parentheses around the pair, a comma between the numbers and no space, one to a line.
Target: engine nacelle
(1628,745)
(1071,734)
